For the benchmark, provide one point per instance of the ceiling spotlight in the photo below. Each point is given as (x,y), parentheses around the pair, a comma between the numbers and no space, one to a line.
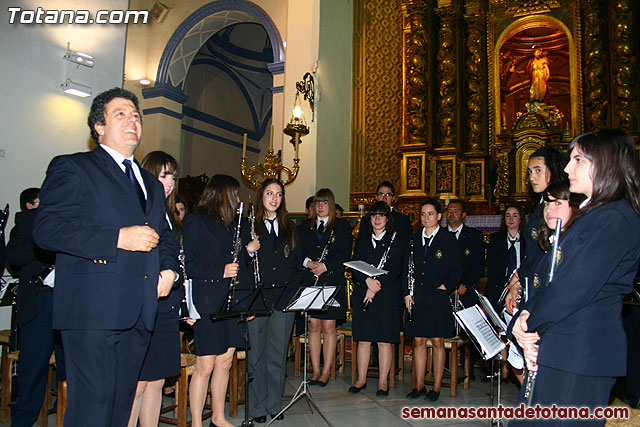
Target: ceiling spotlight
(79,58)
(76,89)
(144,82)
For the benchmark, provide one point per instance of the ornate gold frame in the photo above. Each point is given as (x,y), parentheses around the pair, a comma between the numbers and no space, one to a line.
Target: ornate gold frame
(409,167)
(494,66)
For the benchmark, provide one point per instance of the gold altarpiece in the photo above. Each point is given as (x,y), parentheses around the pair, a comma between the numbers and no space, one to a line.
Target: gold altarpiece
(443,95)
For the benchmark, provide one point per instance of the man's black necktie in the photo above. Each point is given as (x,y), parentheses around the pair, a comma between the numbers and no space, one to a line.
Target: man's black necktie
(128,169)
(320,230)
(272,233)
(426,245)
(512,261)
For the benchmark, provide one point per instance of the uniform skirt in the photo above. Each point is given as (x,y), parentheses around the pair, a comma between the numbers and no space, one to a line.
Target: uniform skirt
(378,324)
(213,337)
(434,320)
(163,355)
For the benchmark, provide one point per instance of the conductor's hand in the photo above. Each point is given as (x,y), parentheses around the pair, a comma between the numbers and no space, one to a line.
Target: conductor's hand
(166,280)
(254,245)
(373,285)
(231,270)
(138,238)
(408,301)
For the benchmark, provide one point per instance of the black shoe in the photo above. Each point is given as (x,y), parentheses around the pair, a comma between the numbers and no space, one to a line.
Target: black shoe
(433,395)
(281,417)
(355,389)
(261,419)
(313,382)
(381,393)
(323,383)
(415,393)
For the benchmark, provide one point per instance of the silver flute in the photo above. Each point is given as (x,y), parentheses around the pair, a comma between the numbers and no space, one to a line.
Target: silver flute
(325,252)
(254,261)
(383,260)
(237,247)
(531,375)
(411,282)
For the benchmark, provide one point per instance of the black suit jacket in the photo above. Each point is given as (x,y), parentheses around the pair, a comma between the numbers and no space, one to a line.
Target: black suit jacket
(471,246)
(24,254)
(497,260)
(85,200)
(441,266)
(280,266)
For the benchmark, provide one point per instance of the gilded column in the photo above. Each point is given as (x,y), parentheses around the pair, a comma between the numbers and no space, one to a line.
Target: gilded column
(447,75)
(624,71)
(475,90)
(416,73)
(596,100)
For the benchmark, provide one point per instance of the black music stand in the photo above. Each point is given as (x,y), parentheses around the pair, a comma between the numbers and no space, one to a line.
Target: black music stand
(306,299)
(242,312)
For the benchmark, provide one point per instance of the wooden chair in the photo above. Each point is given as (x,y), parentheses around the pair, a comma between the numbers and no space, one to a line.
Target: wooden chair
(338,362)
(236,394)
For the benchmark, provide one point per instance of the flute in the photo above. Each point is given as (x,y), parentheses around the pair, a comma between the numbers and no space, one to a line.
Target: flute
(531,375)
(410,282)
(383,260)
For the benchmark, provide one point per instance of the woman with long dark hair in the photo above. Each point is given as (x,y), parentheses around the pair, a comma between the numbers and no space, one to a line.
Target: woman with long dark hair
(280,270)
(208,245)
(376,316)
(163,355)
(572,332)
(324,232)
(437,270)
(545,167)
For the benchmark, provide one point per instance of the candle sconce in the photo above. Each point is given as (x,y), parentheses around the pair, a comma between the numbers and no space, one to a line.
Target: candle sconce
(296,128)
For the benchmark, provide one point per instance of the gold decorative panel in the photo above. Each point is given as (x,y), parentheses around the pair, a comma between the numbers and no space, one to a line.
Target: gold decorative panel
(445,176)
(413,174)
(473,180)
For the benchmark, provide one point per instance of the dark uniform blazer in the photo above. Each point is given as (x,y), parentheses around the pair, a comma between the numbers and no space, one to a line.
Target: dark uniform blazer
(280,266)
(84,201)
(497,260)
(471,246)
(401,223)
(22,252)
(390,282)
(441,266)
(578,316)
(208,248)
(533,250)
(339,252)
(171,303)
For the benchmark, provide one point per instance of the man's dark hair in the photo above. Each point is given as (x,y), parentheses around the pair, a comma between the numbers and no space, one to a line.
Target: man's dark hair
(308,203)
(96,114)
(339,208)
(28,196)
(386,184)
(461,202)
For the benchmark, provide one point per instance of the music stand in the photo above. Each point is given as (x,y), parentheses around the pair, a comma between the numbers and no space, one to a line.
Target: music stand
(243,314)
(307,299)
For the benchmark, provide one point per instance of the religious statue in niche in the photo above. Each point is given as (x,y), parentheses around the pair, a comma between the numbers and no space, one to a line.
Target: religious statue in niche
(539,71)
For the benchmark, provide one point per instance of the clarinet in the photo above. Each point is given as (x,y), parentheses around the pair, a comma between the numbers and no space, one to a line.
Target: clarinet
(254,261)
(411,282)
(237,247)
(323,255)
(4,216)
(383,260)
(531,375)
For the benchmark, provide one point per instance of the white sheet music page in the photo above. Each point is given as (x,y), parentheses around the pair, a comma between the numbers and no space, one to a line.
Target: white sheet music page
(473,320)
(365,268)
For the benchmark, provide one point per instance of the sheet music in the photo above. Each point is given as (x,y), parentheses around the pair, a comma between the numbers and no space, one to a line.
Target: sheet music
(188,294)
(306,300)
(365,268)
(498,323)
(473,320)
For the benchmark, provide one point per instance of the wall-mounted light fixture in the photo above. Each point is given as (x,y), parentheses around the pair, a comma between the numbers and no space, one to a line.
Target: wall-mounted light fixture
(70,87)
(306,87)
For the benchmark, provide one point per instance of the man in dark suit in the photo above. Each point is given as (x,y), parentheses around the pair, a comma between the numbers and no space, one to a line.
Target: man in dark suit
(386,192)
(105,216)
(34,314)
(470,242)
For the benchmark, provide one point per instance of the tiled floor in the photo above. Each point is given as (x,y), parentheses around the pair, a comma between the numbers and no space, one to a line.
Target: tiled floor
(365,409)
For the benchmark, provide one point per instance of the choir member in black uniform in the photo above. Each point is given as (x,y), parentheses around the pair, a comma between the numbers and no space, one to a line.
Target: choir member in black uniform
(280,262)
(505,252)
(208,245)
(163,355)
(381,321)
(322,230)
(576,319)
(437,267)
(546,166)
